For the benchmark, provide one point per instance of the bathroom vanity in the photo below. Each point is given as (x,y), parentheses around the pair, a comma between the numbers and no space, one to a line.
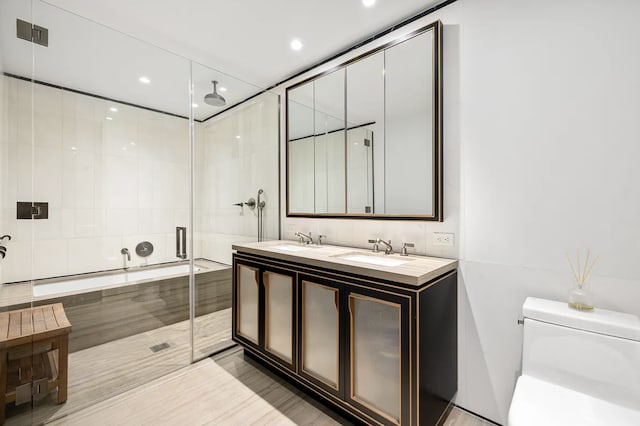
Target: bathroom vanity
(372,334)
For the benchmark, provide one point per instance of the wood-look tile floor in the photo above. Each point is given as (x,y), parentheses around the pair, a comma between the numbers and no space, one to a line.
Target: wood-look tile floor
(227,389)
(107,370)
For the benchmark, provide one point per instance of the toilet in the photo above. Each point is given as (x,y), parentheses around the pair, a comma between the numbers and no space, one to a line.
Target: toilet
(578,367)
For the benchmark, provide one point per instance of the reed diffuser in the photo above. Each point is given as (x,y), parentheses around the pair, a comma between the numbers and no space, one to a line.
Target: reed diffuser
(579,296)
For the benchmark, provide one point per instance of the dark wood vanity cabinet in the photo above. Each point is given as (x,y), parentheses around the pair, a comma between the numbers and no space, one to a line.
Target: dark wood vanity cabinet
(384,352)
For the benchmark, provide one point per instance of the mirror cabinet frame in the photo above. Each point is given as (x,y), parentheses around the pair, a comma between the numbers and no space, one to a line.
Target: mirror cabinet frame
(437,135)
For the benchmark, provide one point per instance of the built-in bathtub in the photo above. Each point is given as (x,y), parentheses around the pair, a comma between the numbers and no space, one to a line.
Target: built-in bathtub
(80,284)
(107,306)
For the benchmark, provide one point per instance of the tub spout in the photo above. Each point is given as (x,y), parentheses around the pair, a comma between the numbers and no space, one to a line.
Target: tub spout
(125,252)
(126,256)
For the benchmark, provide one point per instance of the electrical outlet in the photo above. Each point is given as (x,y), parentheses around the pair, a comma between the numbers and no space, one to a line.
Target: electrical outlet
(443,239)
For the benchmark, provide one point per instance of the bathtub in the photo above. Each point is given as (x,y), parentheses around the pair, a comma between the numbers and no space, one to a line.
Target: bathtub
(110,280)
(107,306)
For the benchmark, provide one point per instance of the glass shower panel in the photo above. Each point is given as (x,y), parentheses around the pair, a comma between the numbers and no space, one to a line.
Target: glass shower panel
(111,174)
(17,351)
(236,191)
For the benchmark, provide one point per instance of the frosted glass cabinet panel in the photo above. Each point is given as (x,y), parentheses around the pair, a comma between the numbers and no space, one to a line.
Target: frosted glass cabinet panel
(248,297)
(375,362)
(278,290)
(320,333)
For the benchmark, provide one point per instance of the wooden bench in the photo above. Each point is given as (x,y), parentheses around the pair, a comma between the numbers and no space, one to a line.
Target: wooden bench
(28,338)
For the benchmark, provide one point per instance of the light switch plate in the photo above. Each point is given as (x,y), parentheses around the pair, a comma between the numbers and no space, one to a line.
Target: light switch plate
(443,239)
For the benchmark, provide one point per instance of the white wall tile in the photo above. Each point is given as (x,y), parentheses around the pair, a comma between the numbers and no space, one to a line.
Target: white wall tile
(18,263)
(120,182)
(94,254)
(121,222)
(164,188)
(162,220)
(89,223)
(49,258)
(145,183)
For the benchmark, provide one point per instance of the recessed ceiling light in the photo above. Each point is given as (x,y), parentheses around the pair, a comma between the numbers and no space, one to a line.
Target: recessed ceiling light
(144,80)
(195,105)
(109,118)
(368,3)
(113,109)
(73,148)
(237,136)
(296,44)
(132,143)
(222,89)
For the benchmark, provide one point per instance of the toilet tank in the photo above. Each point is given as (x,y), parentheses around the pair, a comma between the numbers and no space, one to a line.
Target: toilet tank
(594,352)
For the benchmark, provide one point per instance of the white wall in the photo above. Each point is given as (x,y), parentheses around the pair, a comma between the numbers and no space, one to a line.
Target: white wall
(541,130)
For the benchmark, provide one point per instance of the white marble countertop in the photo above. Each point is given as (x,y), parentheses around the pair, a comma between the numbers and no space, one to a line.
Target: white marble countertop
(412,269)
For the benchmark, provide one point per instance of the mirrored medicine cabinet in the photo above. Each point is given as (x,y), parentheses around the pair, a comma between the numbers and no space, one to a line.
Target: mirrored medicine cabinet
(364,139)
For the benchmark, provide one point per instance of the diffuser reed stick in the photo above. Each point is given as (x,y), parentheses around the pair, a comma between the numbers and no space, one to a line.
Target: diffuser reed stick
(583,270)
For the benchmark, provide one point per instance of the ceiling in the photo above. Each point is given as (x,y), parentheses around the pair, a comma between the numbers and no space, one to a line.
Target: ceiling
(242,44)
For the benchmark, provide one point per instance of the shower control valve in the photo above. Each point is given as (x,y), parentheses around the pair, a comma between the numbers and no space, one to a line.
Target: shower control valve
(251,203)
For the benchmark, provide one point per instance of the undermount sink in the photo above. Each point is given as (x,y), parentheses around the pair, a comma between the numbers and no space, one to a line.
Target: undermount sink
(293,247)
(374,259)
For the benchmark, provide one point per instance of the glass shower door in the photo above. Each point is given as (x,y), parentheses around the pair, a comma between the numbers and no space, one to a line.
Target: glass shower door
(130,192)
(17,349)
(110,166)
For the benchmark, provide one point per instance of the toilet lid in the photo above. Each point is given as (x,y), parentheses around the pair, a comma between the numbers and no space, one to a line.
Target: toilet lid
(536,402)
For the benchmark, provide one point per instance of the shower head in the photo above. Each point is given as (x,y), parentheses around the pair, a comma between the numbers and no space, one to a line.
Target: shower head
(214,99)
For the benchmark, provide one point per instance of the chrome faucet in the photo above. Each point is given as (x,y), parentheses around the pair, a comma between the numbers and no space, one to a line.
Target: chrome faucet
(388,249)
(403,251)
(126,256)
(303,237)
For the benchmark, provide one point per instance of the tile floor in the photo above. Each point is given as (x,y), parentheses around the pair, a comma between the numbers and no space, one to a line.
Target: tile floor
(107,370)
(227,389)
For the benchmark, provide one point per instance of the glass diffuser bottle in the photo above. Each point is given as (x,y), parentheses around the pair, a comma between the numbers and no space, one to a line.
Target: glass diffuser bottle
(580,297)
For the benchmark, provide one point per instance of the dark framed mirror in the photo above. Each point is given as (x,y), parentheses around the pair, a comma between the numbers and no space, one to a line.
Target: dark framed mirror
(364,140)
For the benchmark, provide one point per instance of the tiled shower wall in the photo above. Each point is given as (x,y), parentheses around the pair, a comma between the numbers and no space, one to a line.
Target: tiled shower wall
(236,155)
(110,184)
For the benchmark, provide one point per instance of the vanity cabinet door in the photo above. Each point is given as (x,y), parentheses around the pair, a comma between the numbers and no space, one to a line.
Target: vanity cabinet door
(320,333)
(377,358)
(246,297)
(279,318)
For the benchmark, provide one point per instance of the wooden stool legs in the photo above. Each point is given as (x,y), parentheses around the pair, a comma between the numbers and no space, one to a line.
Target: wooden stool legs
(62,344)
